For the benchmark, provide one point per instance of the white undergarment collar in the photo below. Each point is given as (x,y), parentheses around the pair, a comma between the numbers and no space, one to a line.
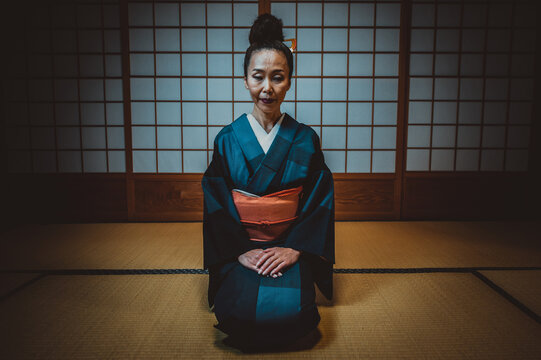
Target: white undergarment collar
(265,139)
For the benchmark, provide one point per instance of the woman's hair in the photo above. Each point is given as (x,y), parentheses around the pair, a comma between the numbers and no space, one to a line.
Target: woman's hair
(266,33)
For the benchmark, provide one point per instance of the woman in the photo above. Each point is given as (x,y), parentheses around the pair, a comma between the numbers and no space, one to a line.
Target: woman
(262,272)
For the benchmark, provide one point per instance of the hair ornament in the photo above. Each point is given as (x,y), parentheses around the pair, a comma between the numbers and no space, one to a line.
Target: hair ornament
(293,44)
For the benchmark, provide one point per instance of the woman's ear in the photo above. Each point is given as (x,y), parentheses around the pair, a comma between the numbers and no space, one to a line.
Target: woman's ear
(245,83)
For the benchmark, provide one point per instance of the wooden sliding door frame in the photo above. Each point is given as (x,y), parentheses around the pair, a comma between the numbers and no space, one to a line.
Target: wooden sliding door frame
(400,195)
(264,6)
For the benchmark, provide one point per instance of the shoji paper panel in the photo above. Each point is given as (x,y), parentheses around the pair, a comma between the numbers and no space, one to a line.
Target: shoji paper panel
(63,103)
(471,86)
(346,77)
(186,79)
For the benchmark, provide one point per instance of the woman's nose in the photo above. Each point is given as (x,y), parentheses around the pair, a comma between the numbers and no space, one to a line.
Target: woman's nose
(267,86)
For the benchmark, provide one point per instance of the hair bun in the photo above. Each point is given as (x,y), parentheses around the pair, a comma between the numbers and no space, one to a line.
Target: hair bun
(266,28)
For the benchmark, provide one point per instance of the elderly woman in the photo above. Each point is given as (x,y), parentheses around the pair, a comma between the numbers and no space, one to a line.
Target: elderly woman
(268,224)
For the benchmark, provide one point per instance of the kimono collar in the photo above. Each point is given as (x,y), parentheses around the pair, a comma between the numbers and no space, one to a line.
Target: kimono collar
(264,165)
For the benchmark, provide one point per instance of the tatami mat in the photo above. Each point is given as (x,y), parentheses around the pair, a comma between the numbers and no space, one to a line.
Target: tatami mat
(104,246)
(12,282)
(358,245)
(376,316)
(437,244)
(525,286)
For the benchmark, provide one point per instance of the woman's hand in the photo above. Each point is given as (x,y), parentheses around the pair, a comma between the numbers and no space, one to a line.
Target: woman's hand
(250,258)
(272,260)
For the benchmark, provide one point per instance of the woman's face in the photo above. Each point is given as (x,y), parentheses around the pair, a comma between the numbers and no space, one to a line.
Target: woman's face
(267,79)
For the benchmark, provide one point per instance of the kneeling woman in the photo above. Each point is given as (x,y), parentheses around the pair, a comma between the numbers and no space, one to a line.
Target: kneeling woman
(268,224)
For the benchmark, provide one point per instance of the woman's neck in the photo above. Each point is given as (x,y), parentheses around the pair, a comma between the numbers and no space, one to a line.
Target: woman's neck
(266,120)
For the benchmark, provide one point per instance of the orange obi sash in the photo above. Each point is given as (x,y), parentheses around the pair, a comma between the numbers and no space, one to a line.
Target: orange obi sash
(266,217)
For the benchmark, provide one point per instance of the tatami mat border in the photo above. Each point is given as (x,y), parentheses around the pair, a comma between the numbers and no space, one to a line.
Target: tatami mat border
(22,286)
(473,270)
(508,296)
(204,272)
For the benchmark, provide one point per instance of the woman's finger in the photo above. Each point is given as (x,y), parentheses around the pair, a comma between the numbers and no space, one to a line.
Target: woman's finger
(251,267)
(271,267)
(263,258)
(277,269)
(266,264)
(275,272)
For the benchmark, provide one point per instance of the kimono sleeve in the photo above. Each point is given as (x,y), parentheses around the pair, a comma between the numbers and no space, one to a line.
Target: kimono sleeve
(313,232)
(224,238)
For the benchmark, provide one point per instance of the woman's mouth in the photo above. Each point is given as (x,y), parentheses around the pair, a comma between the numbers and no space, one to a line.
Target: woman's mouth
(267,101)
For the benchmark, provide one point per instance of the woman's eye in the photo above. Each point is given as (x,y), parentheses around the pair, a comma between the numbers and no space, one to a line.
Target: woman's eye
(259,78)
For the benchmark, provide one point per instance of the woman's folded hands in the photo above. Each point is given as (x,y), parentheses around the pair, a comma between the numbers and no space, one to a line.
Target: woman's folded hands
(271,261)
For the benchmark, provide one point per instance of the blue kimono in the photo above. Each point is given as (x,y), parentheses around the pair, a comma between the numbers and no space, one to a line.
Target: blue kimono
(248,306)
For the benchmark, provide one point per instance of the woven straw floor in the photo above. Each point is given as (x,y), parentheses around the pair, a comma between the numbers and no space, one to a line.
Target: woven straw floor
(426,314)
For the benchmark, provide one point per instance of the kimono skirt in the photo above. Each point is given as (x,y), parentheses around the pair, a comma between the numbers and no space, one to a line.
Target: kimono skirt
(262,310)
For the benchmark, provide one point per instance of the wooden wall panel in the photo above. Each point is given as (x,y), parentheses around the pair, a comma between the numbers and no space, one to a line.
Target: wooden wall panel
(66,197)
(180,198)
(454,196)
(94,198)
(102,198)
(168,199)
(365,199)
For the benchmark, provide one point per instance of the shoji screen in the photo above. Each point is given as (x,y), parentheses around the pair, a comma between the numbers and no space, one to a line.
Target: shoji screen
(63,92)
(424,108)
(186,80)
(346,79)
(471,85)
